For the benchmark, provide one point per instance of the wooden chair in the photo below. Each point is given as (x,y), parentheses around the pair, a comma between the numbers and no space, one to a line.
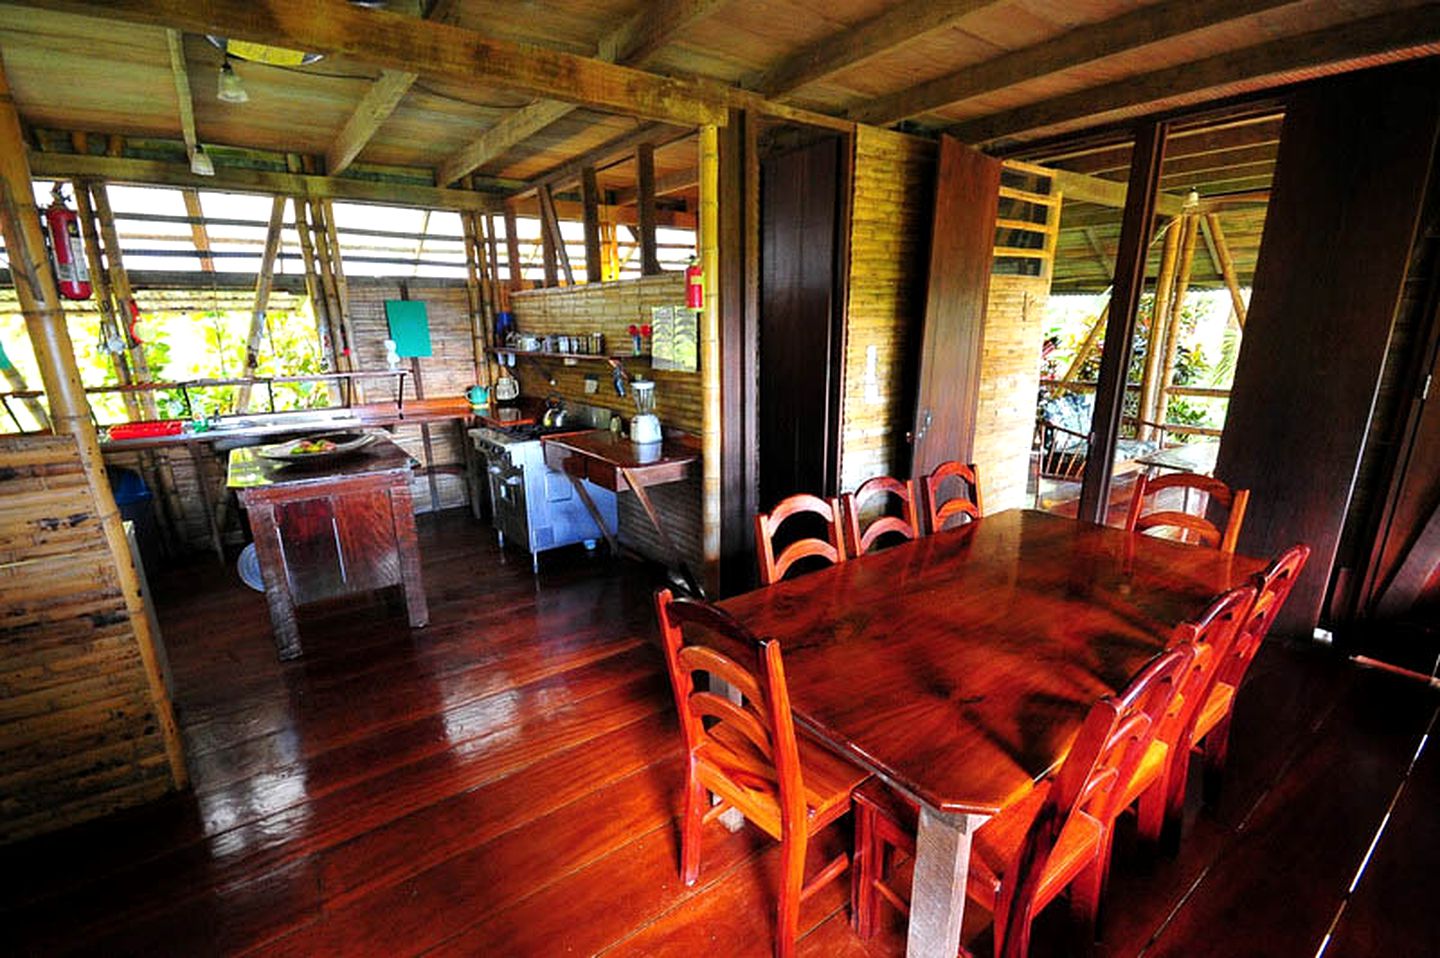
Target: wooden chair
(907,524)
(831,548)
(968,503)
(1159,782)
(1057,836)
(746,753)
(1206,531)
(1211,734)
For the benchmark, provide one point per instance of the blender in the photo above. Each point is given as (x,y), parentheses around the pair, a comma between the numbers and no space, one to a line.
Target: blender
(645,427)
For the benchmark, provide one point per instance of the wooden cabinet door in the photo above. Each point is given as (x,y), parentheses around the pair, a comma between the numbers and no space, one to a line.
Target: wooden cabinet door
(967,196)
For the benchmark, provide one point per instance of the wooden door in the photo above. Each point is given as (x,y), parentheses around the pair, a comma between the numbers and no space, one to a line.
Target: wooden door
(967,195)
(800,320)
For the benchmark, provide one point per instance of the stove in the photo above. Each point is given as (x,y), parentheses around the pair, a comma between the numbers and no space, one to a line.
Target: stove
(533,505)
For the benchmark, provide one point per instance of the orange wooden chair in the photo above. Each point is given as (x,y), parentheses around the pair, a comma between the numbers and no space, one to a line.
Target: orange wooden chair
(1211,734)
(746,753)
(1057,836)
(1159,782)
(831,548)
(906,524)
(968,503)
(1187,523)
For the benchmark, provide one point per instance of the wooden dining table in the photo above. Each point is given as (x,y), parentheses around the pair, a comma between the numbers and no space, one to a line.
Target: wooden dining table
(959,667)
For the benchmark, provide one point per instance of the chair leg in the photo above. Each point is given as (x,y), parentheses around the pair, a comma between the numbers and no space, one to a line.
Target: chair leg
(1216,748)
(865,871)
(696,798)
(1151,818)
(792,878)
(1085,893)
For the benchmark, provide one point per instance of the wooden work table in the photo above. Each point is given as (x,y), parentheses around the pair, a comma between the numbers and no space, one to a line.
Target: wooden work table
(330,529)
(614,462)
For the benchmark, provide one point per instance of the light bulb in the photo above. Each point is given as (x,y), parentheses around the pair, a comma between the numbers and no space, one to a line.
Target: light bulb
(231,90)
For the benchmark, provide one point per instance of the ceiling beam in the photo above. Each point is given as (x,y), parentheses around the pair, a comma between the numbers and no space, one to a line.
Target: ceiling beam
(380,100)
(908,21)
(435,50)
(1073,48)
(602,156)
(1083,188)
(664,186)
(69,166)
(633,42)
(183,99)
(378,103)
(1406,33)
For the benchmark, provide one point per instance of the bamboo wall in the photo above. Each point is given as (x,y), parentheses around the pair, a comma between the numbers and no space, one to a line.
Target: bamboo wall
(889,244)
(1009,384)
(607,308)
(610,308)
(79,731)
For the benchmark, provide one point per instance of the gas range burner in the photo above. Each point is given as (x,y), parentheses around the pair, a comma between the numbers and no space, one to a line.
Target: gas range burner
(535,431)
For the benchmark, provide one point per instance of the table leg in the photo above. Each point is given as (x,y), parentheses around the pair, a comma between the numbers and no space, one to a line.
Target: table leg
(610,537)
(937,898)
(402,513)
(271,553)
(207,500)
(644,499)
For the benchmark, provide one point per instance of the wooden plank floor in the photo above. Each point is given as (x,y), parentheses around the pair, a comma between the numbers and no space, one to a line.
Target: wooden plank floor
(505,782)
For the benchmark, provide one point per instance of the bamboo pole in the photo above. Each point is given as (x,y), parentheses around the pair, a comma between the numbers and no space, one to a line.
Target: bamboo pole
(1159,312)
(318,302)
(199,234)
(709,243)
(1088,346)
(69,411)
(512,246)
(1227,266)
(474,296)
(263,281)
(1172,328)
(104,299)
(120,287)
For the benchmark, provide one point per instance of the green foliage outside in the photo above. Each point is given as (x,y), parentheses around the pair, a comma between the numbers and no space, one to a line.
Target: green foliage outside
(1193,367)
(186,345)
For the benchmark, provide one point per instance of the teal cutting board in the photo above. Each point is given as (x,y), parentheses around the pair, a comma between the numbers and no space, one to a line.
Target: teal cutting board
(409,327)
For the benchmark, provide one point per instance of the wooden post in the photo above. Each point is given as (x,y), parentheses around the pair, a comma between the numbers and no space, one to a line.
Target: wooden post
(512,246)
(550,226)
(104,299)
(645,208)
(1172,329)
(474,297)
(548,256)
(120,287)
(708,239)
(590,202)
(1227,266)
(198,232)
(69,411)
(263,281)
(1159,313)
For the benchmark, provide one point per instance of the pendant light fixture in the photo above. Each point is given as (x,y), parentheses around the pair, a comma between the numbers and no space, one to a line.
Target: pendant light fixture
(231,90)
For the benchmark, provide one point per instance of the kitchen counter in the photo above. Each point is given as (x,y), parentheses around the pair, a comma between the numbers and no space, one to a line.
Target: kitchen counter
(614,462)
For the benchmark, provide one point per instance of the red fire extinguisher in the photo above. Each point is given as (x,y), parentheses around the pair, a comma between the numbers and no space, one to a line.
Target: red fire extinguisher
(694,285)
(67,249)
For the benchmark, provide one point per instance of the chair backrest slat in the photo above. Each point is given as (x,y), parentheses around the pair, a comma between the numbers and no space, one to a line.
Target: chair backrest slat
(1234,501)
(1274,585)
(700,638)
(906,524)
(832,548)
(1212,635)
(968,503)
(1105,753)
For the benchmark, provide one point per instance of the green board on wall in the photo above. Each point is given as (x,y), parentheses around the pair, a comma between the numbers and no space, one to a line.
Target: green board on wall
(409,327)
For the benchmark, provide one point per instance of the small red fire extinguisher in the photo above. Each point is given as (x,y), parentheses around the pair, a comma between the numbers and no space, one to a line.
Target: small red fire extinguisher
(67,249)
(694,285)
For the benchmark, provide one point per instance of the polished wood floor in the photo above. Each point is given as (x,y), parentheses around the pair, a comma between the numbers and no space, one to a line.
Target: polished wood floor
(505,782)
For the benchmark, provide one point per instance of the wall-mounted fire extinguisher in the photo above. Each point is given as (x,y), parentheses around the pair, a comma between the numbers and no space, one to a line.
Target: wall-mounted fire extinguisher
(67,249)
(694,285)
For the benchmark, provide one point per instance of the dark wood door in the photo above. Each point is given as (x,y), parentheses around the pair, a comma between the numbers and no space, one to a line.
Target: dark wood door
(962,241)
(1354,161)
(799,320)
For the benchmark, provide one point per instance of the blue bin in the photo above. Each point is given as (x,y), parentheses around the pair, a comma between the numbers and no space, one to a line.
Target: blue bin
(137,505)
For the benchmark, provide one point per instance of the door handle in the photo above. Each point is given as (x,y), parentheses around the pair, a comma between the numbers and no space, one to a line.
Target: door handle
(924,427)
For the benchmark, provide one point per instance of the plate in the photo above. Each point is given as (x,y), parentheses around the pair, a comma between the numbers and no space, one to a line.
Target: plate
(344,443)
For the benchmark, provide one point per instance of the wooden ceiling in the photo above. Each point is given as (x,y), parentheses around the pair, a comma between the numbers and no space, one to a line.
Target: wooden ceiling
(513,90)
